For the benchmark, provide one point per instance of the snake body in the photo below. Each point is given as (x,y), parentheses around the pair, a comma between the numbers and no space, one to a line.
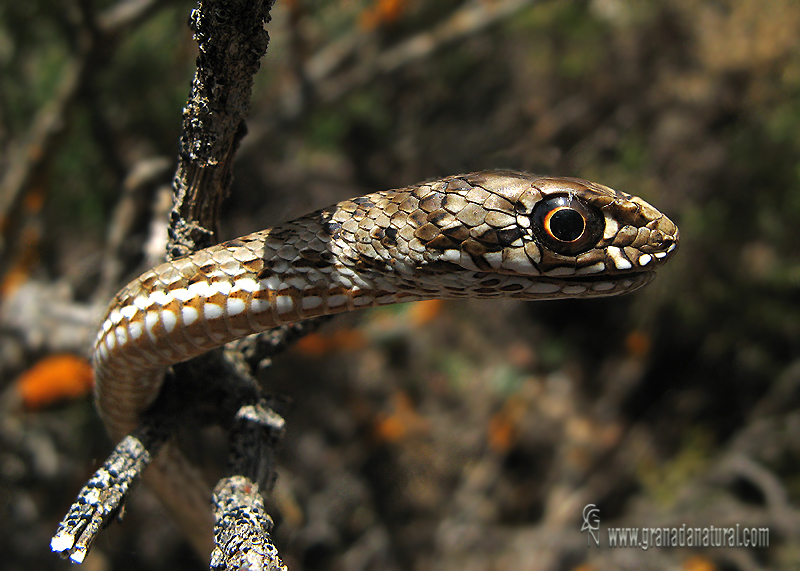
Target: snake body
(482,235)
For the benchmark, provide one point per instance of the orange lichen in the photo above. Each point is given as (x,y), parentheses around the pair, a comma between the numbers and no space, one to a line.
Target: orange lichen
(638,344)
(313,344)
(423,312)
(698,563)
(521,355)
(390,428)
(26,256)
(321,344)
(33,201)
(16,276)
(503,429)
(502,433)
(53,379)
(382,12)
(403,421)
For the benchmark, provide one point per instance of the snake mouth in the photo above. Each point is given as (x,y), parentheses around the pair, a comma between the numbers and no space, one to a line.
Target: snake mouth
(594,285)
(543,287)
(642,277)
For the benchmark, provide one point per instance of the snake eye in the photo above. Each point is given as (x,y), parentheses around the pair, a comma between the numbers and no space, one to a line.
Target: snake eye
(567,225)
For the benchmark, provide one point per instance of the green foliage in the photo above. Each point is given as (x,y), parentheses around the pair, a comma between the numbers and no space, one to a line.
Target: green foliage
(146,86)
(568,39)
(32,59)
(137,85)
(664,481)
(327,128)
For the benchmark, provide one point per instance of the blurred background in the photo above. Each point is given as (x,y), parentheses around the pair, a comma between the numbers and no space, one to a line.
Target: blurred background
(455,435)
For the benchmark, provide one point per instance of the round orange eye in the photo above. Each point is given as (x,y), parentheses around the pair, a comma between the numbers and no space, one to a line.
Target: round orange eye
(567,225)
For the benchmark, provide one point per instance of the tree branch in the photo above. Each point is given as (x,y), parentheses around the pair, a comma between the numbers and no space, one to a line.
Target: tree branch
(232,41)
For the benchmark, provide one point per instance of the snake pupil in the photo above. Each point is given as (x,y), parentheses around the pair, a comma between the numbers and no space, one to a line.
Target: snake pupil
(567,225)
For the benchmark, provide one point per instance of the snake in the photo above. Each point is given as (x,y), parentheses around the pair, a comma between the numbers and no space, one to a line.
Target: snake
(488,234)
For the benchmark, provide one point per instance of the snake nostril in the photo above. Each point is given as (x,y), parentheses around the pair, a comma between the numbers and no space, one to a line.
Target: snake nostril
(667,238)
(657,239)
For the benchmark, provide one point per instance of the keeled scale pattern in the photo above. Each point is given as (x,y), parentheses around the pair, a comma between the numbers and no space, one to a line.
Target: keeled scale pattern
(463,236)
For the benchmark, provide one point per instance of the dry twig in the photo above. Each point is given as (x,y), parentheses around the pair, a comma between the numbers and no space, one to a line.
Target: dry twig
(232,40)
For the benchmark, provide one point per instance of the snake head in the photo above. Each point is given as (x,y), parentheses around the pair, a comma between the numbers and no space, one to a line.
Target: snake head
(531,237)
